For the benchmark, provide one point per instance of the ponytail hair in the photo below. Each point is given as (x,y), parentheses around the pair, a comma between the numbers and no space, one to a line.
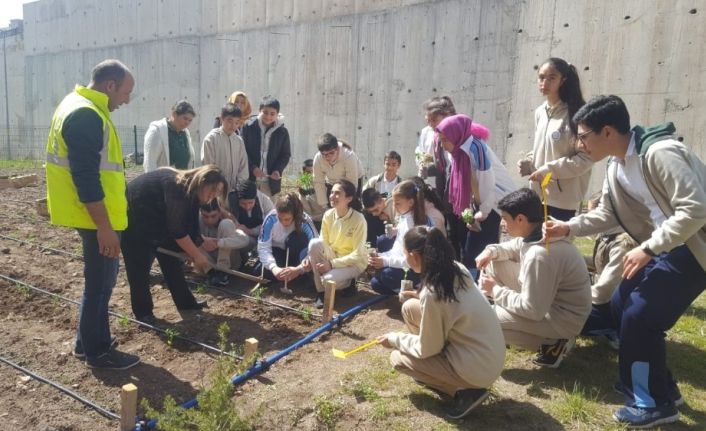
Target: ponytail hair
(431,196)
(408,190)
(570,89)
(289,203)
(350,190)
(439,270)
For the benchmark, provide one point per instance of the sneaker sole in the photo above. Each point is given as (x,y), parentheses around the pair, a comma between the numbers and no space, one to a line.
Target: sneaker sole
(124,367)
(661,421)
(470,408)
(82,356)
(567,348)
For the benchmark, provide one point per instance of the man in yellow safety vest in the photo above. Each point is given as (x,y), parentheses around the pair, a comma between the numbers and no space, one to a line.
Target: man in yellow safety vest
(86,191)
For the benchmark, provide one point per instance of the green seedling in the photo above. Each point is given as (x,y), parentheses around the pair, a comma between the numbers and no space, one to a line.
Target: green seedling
(123,321)
(257,293)
(23,289)
(306,313)
(200,289)
(171,334)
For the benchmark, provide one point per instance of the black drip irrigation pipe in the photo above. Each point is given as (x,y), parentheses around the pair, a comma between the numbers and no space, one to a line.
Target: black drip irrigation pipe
(103,411)
(263,365)
(242,295)
(122,316)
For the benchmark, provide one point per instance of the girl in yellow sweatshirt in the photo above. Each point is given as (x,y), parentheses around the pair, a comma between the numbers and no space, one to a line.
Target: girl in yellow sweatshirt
(339,254)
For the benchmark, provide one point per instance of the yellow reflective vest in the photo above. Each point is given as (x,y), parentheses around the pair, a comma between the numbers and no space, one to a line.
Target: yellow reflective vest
(65,208)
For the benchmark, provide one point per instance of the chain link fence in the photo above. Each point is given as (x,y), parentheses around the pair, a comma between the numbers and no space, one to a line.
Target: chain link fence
(25,147)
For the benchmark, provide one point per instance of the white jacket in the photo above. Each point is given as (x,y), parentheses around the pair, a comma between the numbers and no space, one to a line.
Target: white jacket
(156,146)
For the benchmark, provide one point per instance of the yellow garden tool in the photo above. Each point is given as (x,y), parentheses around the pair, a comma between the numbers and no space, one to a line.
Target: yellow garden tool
(340,354)
(545,184)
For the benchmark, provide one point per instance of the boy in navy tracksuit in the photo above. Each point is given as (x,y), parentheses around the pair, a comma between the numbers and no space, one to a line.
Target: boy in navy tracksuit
(655,189)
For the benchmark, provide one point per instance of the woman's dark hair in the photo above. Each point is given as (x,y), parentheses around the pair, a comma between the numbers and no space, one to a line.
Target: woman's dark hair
(289,203)
(193,180)
(431,195)
(408,190)
(439,270)
(183,107)
(570,89)
(351,191)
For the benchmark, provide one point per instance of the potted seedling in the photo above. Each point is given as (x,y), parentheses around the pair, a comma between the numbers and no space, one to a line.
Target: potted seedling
(405,285)
(306,183)
(468,217)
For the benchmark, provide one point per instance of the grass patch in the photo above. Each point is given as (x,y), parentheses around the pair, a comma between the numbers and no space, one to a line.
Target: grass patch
(577,406)
(21,164)
(328,411)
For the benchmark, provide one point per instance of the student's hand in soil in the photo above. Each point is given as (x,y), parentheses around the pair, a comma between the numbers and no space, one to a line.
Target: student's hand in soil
(384,342)
(376,262)
(634,261)
(555,229)
(209,244)
(275,176)
(323,267)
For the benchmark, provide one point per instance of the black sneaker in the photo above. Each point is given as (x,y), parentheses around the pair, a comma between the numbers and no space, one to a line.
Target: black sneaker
(79,353)
(465,401)
(551,355)
(673,393)
(640,417)
(113,360)
(196,306)
(319,303)
(350,291)
(219,279)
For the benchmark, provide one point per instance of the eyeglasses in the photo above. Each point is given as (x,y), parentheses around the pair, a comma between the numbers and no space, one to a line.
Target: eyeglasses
(583,135)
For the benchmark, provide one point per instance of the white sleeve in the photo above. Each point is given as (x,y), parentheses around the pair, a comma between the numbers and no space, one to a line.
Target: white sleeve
(152,148)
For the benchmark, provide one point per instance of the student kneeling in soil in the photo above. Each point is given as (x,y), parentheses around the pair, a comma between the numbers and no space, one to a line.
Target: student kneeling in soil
(542,292)
(455,344)
(339,254)
(163,211)
(287,227)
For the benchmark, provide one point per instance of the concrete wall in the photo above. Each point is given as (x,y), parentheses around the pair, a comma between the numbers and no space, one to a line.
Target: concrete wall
(361,69)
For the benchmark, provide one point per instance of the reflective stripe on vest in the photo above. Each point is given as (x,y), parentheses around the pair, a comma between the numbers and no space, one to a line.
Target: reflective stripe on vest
(105,164)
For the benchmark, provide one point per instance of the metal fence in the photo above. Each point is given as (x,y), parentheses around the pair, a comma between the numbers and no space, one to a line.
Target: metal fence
(26,146)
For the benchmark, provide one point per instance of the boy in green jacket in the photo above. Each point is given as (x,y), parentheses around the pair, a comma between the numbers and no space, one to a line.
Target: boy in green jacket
(655,189)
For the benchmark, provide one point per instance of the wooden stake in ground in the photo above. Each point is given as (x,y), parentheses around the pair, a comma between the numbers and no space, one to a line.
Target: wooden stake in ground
(250,349)
(329,299)
(128,407)
(286,290)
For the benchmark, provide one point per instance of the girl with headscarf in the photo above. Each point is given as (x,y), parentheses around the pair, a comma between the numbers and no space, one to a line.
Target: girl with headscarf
(477,181)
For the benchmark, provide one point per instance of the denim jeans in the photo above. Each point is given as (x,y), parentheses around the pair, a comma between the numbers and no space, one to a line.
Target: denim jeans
(100,274)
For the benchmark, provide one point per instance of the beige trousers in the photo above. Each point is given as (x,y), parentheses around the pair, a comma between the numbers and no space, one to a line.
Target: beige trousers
(518,331)
(435,371)
(320,252)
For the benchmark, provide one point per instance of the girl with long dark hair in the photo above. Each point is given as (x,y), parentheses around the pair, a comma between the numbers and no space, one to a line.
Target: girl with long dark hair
(455,344)
(555,148)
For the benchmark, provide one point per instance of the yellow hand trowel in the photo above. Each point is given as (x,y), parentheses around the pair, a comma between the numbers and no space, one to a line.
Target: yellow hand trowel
(340,354)
(544,185)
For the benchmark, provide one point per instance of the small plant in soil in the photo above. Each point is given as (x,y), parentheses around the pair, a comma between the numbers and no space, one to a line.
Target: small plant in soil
(328,411)
(200,289)
(124,321)
(306,181)
(306,313)
(25,290)
(171,334)
(259,292)
(216,408)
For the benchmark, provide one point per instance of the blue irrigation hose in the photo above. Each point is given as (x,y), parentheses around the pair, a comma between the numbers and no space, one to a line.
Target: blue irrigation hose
(261,366)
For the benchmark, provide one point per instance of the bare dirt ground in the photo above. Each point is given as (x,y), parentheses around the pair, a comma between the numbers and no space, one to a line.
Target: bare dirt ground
(306,390)
(37,331)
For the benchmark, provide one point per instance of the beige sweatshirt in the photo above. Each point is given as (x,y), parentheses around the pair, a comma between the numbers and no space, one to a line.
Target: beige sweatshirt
(467,332)
(555,151)
(228,153)
(347,167)
(555,285)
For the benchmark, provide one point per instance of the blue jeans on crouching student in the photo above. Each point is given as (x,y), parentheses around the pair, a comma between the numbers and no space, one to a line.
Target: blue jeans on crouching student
(646,306)
(387,280)
(100,274)
(384,243)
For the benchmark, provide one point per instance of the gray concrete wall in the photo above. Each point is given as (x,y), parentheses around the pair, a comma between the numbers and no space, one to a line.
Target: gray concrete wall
(361,69)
